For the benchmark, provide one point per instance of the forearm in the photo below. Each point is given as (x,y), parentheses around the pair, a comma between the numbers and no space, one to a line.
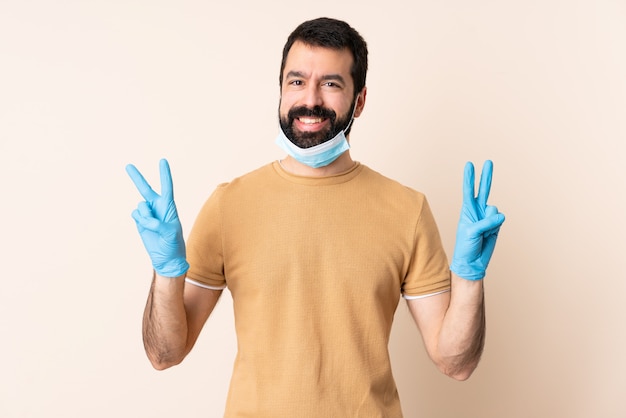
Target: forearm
(462,336)
(453,326)
(165,323)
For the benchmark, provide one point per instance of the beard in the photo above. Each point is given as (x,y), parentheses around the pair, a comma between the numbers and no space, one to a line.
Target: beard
(311,139)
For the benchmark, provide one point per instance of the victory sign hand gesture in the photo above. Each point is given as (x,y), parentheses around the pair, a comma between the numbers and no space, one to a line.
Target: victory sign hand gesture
(158,223)
(478,227)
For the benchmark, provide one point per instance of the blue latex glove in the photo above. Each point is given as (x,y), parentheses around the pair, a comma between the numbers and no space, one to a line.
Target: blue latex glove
(478,227)
(158,223)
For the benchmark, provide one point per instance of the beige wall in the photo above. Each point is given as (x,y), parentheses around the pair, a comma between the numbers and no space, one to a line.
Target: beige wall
(86,87)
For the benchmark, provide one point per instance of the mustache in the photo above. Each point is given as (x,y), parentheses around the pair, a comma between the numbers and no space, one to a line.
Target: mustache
(316,112)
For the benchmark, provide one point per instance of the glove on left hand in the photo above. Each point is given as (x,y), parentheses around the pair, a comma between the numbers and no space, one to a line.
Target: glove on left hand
(478,227)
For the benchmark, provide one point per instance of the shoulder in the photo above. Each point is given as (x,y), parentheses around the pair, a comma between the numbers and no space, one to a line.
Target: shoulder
(380,183)
(240,191)
(252,178)
(245,189)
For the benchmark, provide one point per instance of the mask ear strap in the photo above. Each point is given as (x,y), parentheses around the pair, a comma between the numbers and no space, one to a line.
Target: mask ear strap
(352,116)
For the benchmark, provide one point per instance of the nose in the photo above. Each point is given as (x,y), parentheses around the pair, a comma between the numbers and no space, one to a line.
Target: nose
(312,96)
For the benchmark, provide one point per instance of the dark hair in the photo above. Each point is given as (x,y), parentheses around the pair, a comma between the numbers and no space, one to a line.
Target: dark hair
(334,34)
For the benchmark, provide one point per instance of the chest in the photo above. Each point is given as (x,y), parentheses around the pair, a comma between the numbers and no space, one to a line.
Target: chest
(334,240)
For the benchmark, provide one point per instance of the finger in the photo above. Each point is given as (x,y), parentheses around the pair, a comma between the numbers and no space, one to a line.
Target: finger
(140,182)
(143,209)
(150,224)
(144,219)
(167,188)
(486,225)
(490,211)
(485,183)
(489,244)
(468,183)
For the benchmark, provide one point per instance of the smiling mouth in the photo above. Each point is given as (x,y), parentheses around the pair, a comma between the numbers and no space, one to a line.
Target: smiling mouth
(310,121)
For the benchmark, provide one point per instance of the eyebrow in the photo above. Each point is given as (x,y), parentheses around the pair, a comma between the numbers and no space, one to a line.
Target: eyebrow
(327,77)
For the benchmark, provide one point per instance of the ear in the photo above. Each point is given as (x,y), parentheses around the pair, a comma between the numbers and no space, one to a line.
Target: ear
(360,102)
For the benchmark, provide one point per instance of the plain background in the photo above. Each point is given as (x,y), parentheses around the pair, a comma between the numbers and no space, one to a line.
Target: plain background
(86,87)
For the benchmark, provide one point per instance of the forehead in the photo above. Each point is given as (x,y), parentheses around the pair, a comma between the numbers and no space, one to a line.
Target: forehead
(318,61)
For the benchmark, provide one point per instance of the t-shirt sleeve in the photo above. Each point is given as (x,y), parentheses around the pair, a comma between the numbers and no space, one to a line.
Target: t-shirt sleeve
(204,245)
(429,272)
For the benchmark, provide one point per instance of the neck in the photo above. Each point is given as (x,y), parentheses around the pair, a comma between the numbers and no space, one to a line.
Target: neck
(343,163)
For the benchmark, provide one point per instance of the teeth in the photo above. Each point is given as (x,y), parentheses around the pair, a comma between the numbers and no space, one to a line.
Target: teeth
(310,121)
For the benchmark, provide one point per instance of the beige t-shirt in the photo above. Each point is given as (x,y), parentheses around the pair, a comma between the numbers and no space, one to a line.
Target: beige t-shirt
(316,267)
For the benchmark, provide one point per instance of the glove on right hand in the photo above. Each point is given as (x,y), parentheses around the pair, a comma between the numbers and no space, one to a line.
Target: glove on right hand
(478,227)
(158,224)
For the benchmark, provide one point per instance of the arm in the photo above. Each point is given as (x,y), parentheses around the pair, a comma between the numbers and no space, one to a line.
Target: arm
(174,313)
(453,324)
(173,318)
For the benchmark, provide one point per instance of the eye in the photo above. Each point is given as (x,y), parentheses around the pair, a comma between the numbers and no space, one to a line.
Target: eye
(331,84)
(295,82)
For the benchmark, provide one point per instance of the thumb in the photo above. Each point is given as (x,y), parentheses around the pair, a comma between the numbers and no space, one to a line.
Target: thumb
(487,224)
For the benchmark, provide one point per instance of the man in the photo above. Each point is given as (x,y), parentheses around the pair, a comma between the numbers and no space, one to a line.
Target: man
(316,250)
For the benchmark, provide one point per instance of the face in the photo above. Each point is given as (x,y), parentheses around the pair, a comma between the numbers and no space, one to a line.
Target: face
(317,94)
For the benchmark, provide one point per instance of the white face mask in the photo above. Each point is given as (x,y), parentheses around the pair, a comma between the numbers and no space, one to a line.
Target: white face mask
(319,155)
